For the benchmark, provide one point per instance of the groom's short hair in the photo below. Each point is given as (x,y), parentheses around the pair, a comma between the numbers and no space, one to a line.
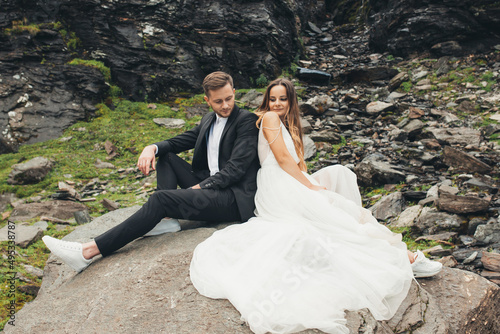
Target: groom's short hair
(216,80)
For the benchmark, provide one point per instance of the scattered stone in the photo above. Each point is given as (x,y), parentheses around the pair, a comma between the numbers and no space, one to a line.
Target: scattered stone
(462,161)
(377,107)
(252,99)
(491,261)
(55,220)
(388,206)
(33,270)
(82,217)
(110,205)
(317,105)
(407,217)
(432,221)
(313,76)
(448,190)
(111,150)
(170,123)
(449,261)
(23,235)
(416,113)
(29,289)
(32,171)
(488,233)
(309,147)
(471,258)
(397,80)
(462,204)
(100,164)
(57,209)
(326,136)
(456,136)
(444,237)
(374,171)
(42,224)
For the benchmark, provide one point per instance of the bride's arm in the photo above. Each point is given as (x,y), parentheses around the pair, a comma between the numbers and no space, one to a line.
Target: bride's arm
(272,132)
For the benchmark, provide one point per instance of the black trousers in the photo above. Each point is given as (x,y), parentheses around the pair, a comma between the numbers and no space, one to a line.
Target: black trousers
(168,201)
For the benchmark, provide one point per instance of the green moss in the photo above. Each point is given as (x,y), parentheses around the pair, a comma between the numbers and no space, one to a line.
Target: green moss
(262,81)
(22,26)
(406,86)
(96,64)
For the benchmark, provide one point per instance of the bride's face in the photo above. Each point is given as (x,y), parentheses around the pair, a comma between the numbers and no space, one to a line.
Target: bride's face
(278,100)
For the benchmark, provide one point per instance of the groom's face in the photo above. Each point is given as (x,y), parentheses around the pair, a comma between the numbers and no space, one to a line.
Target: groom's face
(221,100)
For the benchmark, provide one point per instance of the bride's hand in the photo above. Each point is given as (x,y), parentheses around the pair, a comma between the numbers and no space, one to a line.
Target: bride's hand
(315,187)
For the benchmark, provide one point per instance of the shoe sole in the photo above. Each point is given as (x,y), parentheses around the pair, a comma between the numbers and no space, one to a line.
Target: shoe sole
(422,275)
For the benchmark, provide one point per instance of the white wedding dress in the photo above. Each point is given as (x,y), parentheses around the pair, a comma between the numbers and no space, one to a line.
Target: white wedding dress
(306,257)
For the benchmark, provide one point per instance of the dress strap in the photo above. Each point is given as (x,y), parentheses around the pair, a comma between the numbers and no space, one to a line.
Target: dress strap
(273,129)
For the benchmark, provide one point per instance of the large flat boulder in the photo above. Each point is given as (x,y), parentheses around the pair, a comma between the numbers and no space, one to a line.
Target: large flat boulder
(145,287)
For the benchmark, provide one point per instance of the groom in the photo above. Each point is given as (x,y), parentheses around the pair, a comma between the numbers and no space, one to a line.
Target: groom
(220,184)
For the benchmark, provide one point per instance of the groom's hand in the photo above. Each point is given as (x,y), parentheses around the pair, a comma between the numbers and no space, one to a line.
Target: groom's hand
(196,186)
(147,159)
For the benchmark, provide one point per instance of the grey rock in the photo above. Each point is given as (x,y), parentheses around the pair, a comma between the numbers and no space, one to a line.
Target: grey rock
(397,80)
(377,107)
(32,171)
(22,235)
(82,217)
(101,164)
(309,147)
(306,126)
(398,135)
(459,136)
(419,75)
(170,123)
(313,76)
(319,104)
(373,170)
(432,221)
(394,96)
(33,270)
(6,199)
(326,136)
(413,128)
(407,217)
(462,204)
(444,188)
(42,224)
(56,209)
(480,184)
(252,98)
(488,233)
(389,206)
(462,161)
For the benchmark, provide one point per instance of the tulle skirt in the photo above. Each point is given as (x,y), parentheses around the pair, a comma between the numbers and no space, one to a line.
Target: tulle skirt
(305,258)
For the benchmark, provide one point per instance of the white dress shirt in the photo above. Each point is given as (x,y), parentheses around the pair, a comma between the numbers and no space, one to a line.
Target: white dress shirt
(214,137)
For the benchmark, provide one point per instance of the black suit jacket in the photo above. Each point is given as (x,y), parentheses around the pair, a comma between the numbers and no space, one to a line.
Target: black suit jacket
(238,160)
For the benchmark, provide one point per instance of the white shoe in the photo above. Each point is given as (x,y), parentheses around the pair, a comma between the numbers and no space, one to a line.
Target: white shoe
(69,252)
(423,267)
(166,225)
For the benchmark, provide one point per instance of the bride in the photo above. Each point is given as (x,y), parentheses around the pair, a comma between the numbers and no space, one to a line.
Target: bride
(312,251)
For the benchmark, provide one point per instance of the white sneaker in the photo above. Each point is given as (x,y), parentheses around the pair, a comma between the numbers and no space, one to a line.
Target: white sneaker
(69,252)
(166,225)
(423,267)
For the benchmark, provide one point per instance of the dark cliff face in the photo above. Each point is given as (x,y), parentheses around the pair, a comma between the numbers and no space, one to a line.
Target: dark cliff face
(155,49)
(442,27)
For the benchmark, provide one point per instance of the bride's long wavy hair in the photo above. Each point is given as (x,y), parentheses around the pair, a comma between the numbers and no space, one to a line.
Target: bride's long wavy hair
(291,120)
